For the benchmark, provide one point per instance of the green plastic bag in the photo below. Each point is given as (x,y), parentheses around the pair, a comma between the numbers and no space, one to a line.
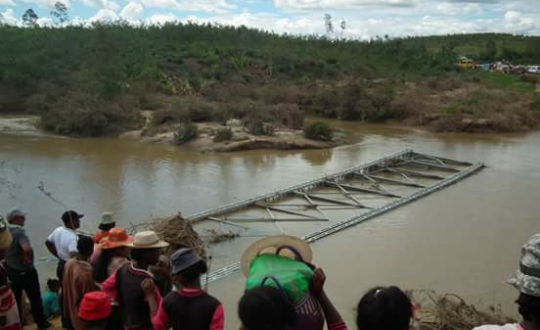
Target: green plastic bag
(291,276)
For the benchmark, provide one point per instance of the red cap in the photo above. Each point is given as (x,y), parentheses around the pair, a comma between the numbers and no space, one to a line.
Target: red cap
(95,306)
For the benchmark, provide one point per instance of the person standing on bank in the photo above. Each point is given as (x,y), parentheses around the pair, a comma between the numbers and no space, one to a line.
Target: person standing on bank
(62,242)
(107,223)
(190,307)
(20,268)
(125,284)
(9,313)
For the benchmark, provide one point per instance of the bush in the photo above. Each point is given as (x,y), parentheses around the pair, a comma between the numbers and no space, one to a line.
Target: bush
(529,79)
(535,105)
(256,126)
(223,134)
(185,133)
(319,131)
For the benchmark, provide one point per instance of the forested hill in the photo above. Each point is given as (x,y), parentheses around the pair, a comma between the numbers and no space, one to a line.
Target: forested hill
(129,67)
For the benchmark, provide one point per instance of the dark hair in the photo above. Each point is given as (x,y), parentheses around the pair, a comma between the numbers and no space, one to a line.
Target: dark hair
(529,307)
(386,308)
(266,308)
(85,245)
(193,272)
(101,266)
(53,284)
(106,226)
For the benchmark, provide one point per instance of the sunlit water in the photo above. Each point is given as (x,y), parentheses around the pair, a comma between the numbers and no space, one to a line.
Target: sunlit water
(464,239)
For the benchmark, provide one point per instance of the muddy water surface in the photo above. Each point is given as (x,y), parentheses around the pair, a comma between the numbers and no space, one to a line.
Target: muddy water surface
(464,239)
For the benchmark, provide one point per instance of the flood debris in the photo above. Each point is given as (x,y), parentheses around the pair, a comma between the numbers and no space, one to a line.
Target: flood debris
(217,236)
(451,312)
(175,230)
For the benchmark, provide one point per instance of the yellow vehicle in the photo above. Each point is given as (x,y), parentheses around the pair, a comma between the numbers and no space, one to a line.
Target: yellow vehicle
(465,63)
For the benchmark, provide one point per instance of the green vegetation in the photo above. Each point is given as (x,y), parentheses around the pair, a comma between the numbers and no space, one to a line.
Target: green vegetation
(95,81)
(185,133)
(223,134)
(319,131)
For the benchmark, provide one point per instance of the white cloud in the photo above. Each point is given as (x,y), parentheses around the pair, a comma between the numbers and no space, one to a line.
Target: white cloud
(8,17)
(100,4)
(211,6)
(104,15)
(165,4)
(340,4)
(516,22)
(452,8)
(132,11)
(45,21)
(158,19)
(49,4)
(7,3)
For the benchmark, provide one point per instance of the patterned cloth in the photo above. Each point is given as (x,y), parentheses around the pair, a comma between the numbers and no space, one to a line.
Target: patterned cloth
(527,277)
(9,314)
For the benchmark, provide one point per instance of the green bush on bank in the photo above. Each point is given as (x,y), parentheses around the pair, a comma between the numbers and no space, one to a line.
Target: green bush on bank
(223,134)
(319,131)
(185,133)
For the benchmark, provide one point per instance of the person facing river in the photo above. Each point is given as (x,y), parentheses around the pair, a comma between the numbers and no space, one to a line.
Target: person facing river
(190,307)
(9,313)
(527,281)
(125,284)
(21,270)
(114,254)
(62,242)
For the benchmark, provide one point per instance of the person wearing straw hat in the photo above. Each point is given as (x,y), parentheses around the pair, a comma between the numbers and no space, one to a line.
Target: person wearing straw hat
(114,255)
(21,270)
(107,223)
(9,313)
(278,270)
(125,285)
(95,310)
(190,307)
(527,281)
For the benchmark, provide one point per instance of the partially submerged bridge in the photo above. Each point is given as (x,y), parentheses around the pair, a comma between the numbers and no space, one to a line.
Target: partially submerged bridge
(322,207)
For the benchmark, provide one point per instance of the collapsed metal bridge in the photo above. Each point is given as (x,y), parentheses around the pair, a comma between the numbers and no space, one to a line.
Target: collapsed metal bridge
(322,207)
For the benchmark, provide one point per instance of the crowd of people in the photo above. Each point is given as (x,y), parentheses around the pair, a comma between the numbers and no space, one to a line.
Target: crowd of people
(117,281)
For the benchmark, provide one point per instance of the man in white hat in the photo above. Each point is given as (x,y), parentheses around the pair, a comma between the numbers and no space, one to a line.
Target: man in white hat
(125,285)
(21,270)
(527,281)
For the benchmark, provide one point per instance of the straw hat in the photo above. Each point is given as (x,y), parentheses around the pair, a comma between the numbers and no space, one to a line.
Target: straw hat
(5,235)
(289,244)
(527,277)
(147,240)
(117,237)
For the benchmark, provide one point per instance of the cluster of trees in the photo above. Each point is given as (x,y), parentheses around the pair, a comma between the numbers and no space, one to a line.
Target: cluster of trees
(52,70)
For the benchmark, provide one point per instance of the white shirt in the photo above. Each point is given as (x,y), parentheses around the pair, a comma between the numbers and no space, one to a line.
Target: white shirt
(65,241)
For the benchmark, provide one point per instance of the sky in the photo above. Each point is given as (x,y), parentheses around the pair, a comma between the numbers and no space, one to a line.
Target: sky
(360,19)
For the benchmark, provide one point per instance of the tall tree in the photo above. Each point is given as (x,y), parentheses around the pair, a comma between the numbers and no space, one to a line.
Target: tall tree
(343,26)
(328,23)
(60,12)
(30,17)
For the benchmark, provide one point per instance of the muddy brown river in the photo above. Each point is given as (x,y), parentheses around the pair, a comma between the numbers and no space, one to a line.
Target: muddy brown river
(464,239)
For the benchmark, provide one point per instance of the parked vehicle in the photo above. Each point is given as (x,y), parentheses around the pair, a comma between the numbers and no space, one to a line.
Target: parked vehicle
(534,69)
(465,63)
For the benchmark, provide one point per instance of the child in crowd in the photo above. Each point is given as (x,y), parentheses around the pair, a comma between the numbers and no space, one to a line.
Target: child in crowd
(269,308)
(387,308)
(190,307)
(51,299)
(95,310)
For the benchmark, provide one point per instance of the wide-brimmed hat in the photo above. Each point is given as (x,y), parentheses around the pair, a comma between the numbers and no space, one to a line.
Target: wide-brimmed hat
(95,306)
(288,246)
(182,259)
(147,240)
(5,235)
(15,213)
(107,218)
(117,238)
(71,215)
(527,277)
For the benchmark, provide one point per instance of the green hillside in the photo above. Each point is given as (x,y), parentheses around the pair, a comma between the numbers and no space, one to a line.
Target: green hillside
(93,81)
